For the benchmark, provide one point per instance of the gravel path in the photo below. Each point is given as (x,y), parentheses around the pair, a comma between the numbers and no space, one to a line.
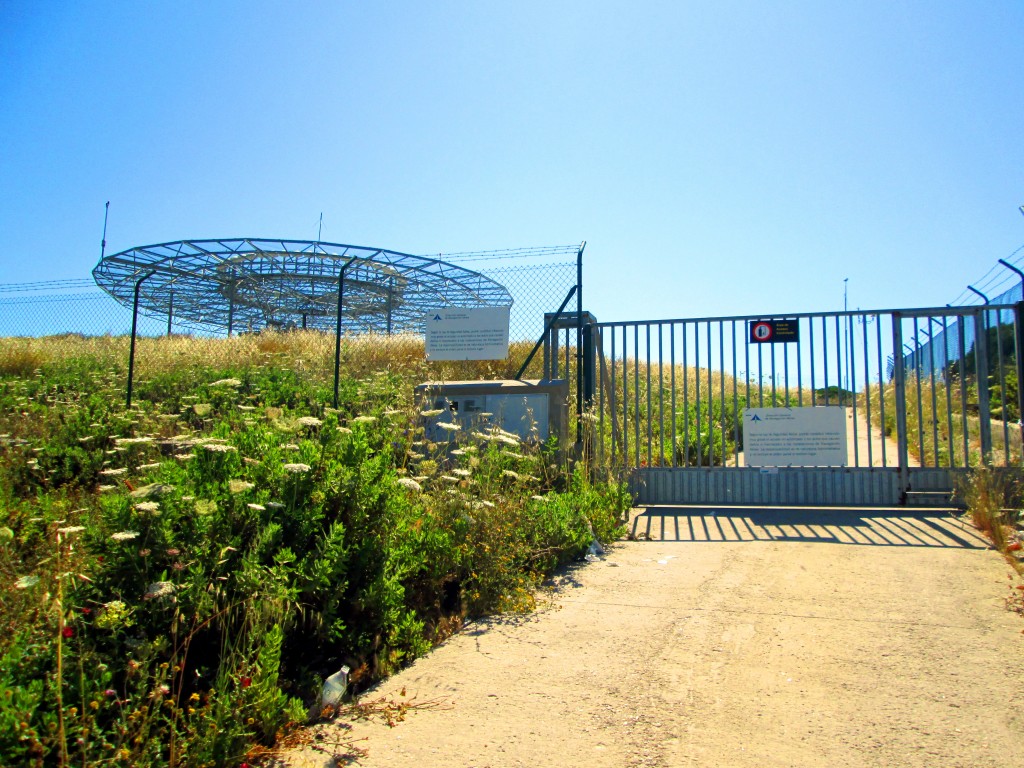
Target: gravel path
(733,637)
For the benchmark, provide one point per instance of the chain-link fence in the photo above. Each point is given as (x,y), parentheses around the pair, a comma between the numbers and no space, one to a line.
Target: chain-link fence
(59,319)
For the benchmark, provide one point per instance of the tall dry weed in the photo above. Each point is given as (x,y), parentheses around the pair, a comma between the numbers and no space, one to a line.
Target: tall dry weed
(987,492)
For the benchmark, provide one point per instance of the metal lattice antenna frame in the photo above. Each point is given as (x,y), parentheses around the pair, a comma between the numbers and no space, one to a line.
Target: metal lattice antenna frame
(255,283)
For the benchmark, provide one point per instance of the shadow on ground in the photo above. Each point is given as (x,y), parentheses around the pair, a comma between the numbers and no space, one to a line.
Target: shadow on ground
(860,526)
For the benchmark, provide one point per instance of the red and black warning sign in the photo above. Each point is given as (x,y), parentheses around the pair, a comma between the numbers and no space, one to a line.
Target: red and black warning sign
(774,331)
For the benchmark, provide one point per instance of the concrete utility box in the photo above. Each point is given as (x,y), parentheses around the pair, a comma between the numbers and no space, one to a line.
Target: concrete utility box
(529,408)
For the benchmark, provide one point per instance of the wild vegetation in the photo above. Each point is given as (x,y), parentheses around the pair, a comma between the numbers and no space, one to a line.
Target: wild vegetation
(176,580)
(707,428)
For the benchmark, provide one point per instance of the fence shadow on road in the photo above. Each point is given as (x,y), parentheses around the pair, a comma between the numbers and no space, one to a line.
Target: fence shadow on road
(860,526)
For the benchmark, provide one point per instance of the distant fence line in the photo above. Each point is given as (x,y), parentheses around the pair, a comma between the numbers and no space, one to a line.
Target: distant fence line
(948,342)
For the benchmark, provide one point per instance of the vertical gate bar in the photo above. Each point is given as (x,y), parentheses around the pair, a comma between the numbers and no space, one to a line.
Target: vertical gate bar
(686,403)
(935,397)
(814,394)
(696,387)
(785,368)
(711,405)
(735,403)
(746,359)
(947,384)
(625,398)
(661,397)
(961,333)
(636,392)
(771,346)
(672,359)
(840,391)
(650,426)
(981,374)
(867,386)
(760,376)
(918,366)
(899,379)
(881,388)
(851,363)
(1002,386)
(611,397)
(170,312)
(568,369)
(721,382)
(799,365)
(824,355)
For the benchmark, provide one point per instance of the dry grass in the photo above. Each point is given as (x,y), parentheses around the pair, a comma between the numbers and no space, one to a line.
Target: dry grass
(310,352)
(936,425)
(19,359)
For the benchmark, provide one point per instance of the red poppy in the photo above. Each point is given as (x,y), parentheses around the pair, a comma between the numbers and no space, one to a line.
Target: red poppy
(68,632)
(246,682)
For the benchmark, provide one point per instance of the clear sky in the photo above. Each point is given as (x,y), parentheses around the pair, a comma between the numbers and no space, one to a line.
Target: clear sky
(719,158)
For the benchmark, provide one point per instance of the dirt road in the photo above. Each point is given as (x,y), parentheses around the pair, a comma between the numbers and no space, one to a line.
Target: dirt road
(735,638)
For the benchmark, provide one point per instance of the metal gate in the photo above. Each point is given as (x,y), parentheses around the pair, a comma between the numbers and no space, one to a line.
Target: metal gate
(928,394)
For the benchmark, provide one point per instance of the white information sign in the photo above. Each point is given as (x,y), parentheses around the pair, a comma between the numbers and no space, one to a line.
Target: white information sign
(795,437)
(480,333)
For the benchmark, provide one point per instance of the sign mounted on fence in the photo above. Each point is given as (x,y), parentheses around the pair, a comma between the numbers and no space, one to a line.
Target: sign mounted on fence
(467,334)
(774,331)
(795,437)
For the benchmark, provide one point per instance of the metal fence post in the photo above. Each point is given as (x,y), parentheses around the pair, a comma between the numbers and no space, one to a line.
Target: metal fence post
(170,312)
(981,372)
(135,326)
(337,330)
(579,344)
(899,375)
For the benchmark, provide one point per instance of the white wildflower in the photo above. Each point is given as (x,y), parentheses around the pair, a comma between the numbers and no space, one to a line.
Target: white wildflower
(26,581)
(461,472)
(106,488)
(275,505)
(71,529)
(148,506)
(309,421)
(132,440)
(297,468)
(240,486)
(158,589)
(124,535)
(219,448)
(153,465)
(448,426)
(114,472)
(364,419)
(257,507)
(154,489)
(431,413)
(227,383)
(408,482)
(345,430)
(510,474)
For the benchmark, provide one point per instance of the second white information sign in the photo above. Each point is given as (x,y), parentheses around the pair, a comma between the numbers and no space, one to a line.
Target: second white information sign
(795,437)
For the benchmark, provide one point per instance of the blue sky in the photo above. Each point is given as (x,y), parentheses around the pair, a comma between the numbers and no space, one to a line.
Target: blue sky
(718,158)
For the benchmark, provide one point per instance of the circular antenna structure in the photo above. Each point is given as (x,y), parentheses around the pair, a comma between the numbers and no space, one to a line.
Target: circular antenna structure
(252,283)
